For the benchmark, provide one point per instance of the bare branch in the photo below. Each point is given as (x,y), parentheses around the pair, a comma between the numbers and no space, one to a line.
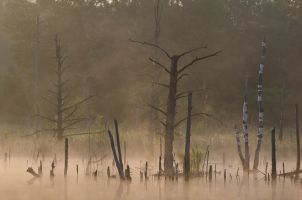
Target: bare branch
(158,109)
(78,103)
(182,96)
(48,101)
(160,65)
(192,50)
(152,45)
(161,84)
(39,131)
(73,123)
(197,115)
(197,59)
(46,118)
(71,113)
(182,76)
(87,133)
(163,123)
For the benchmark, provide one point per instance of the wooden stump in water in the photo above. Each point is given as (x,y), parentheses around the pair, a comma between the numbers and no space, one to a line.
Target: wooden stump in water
(210,174)
(40,169)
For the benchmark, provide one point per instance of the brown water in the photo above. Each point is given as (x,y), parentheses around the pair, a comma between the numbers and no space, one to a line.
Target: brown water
(16,184)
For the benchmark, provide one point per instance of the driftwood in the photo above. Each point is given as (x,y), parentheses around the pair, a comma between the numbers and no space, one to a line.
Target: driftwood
(32,172)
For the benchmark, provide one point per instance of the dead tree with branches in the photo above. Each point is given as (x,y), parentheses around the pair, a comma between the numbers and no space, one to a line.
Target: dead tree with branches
(176,74)
(65,110)
(246,159)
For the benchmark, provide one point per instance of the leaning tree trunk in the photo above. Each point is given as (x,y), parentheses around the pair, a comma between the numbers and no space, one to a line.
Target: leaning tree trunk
(170,120)
(260,105)
(188,135)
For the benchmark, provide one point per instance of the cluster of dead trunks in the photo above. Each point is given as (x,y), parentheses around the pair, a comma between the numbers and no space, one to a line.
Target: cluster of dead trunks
(245,160)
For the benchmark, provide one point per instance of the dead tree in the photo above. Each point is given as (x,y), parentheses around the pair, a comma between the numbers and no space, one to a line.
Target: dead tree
(246,159)
(65,110)
(36,70)
(188,136)
(274,169)
(282,110)
(260,105)
(118,160)
(176,74)
(66,157)
(298,142)
(154,115)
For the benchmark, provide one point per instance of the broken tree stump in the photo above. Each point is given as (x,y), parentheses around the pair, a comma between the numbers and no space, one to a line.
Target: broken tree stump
(32,172)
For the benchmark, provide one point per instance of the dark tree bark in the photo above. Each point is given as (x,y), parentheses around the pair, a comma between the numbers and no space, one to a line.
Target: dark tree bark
(274,168)
(66,157)
(298,142)
(188,137)
(116,159)
(118,144)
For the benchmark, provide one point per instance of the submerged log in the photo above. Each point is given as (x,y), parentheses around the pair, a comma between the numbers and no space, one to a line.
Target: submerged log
(32,172)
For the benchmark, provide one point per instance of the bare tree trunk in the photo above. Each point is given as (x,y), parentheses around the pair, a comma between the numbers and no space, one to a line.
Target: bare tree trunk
(245,117)
(239,146)
(154,115)
(36,72)
(274,168)
(260,104)
(66,157)
(188,136)
(118,144)
(282,109)
(59,57)
(298,142)
(117,163)
(170,120)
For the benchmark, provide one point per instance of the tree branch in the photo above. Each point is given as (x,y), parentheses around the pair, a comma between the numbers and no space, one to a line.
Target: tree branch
(182,76)
(152,45)
(196,115)
(160,65)
(46,118)
(198,59)
(192,50)
(158,109)
(161,84)
(48,101)
(78,103)
(92,133)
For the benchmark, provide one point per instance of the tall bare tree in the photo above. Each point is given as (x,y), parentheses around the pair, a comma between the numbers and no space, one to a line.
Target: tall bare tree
(65,111)
(154,116)
(176,73)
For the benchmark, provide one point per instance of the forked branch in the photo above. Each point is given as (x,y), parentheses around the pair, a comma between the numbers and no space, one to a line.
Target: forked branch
(151,45)
(197,59)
